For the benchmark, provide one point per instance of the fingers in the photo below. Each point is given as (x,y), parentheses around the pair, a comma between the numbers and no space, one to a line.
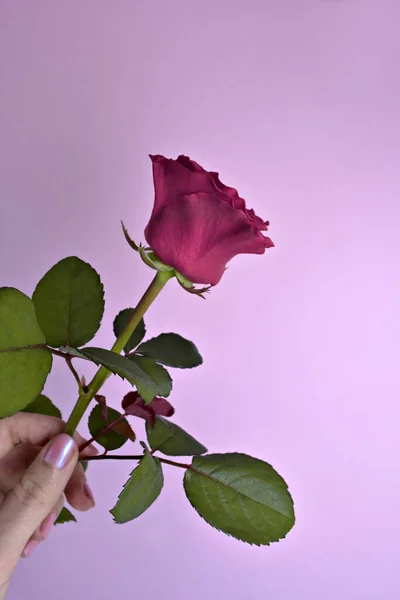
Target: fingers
(35,430)
(78,492)
(42,532)
(57,509)
(89,450)
(79,496)
(13,465)
(27,428)
(33,497)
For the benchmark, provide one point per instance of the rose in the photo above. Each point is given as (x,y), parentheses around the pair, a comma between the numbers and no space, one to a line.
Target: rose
(198,224)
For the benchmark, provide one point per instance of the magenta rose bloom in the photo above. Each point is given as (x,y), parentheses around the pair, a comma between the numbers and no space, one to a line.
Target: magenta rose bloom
(198,224)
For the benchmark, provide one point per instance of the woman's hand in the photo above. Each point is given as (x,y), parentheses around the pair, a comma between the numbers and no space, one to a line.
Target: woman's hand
(38,464)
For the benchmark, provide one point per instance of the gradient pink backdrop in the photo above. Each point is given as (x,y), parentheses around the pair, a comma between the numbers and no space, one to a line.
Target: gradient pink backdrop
(295,102)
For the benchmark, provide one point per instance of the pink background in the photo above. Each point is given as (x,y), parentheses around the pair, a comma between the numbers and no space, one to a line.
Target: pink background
(296,103)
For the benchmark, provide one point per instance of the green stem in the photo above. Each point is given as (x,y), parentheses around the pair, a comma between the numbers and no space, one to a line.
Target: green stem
(135,457)
(102,374)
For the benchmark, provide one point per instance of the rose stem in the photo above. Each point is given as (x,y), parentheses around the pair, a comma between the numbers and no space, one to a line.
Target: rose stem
(136,457)
(102,374)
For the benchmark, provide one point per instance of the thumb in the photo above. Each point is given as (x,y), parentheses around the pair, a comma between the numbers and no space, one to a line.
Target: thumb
(34,496)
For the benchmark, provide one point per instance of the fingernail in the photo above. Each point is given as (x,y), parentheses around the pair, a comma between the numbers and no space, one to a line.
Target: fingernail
(47,525)
(88,492)
(30,547)
(60,451)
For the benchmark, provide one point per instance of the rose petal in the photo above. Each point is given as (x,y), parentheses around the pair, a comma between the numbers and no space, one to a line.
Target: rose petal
(200,244)
(197,234)
(173,179)
(237,202)
(190,165)
(229,192)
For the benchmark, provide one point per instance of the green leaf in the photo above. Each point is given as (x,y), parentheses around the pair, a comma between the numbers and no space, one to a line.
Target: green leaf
(85,465)
(172,350)
(121,321)
(124,367)
(65,516)
(73,352)
(157,372)
(111,439)
(242,496)
(69,303)
(172,440)
(42,405)
(24,365)
(140,491)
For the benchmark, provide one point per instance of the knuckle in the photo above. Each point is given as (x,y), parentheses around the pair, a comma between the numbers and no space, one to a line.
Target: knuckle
(30,492)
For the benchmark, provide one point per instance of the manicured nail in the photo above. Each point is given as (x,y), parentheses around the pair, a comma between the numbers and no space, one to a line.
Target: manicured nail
(47,525)
(88,492)
(30,547)
(60,451)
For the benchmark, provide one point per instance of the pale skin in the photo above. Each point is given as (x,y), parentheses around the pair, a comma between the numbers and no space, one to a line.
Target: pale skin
(38,469)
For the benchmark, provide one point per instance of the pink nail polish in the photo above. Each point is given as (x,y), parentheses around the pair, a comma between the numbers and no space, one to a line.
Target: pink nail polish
(60,451)
(47,525)
(88,492)
(30,547)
